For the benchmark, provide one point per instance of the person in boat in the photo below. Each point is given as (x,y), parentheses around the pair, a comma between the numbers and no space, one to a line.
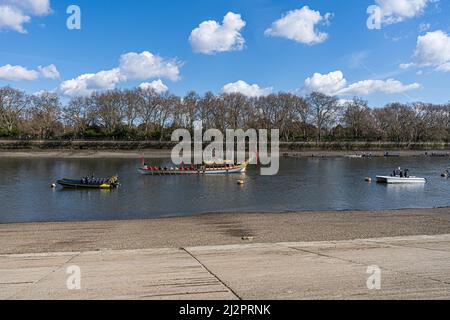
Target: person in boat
(406,173)
(398,173)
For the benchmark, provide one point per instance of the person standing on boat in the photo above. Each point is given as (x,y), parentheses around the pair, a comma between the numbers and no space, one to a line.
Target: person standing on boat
(406,173)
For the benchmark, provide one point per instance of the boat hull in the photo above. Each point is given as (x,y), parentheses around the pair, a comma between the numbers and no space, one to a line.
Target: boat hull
(75,184)
(234,170)
(398,180)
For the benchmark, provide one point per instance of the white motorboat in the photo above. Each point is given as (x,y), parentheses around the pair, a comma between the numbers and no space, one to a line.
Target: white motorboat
(401,180)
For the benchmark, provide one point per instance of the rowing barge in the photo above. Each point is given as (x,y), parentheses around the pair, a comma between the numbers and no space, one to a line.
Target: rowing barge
(90,183)
(207,168)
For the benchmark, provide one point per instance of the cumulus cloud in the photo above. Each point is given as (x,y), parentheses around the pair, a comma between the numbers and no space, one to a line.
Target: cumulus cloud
(19,73)
(432,50)
(158,86)
(249,90)
(133,66)
(212,37)
(394,11)
(334,83)
(15,13)
(330,83)
(88,83)
(145,65)
(49,72)
(300,25)
(13,19)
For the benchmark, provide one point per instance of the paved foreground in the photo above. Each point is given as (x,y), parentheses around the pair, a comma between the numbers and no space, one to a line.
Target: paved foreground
(416,267)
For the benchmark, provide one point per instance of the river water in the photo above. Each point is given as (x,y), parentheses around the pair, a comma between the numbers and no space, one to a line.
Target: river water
(301,185)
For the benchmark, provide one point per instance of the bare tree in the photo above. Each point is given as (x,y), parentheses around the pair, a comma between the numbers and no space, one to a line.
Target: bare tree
(358,118)
(324,111)
(13,103)
(45,115)
(130,100)
(79,115)
(109,110)
(147,106)
(144,113)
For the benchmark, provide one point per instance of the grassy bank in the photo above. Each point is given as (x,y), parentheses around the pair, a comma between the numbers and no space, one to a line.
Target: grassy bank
(48,145)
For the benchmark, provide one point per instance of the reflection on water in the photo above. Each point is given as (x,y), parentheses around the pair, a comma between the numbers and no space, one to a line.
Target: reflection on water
(405,187)
(301,185)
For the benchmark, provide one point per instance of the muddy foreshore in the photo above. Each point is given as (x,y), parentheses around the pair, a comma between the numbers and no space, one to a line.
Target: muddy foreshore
(219,229)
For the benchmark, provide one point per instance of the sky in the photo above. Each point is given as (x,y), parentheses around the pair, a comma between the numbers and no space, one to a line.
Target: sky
(399,51)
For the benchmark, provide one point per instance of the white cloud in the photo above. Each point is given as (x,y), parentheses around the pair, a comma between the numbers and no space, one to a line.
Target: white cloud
(17,73)
(35,7)
(329,83)
(39,93)
(366,87)
(249,90)
(424,27)
(158,86)
(15,13)
(141,66)
(88,83)
(13,19)
(432,50)
(334,83)
(444,67)
(394,11)
(212,37)
(300,25)
(133,66)
(406,66)
(49,72)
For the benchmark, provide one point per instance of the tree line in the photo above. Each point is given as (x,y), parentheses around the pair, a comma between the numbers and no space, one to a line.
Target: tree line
(143,114)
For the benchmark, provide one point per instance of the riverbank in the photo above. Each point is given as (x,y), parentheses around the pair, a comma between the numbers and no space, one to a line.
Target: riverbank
(166,153)
(124,147)
(220,229)
(86,154)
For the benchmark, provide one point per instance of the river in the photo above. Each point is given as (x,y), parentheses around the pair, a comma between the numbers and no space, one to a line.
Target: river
(307,184)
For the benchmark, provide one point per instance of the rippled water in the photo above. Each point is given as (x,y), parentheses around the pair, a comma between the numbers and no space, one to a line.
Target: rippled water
(302,185)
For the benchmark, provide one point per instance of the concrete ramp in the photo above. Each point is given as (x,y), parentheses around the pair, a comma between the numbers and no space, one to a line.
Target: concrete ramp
(415,267)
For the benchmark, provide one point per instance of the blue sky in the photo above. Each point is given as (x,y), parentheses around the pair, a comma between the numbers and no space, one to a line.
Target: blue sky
(351,60)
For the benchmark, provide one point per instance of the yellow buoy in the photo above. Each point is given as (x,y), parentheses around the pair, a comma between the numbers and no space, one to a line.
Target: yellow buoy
(240,182)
